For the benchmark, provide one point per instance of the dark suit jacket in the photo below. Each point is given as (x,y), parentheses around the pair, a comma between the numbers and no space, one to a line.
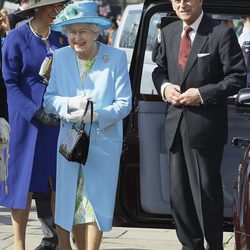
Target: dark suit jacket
(219,74)
(3,95)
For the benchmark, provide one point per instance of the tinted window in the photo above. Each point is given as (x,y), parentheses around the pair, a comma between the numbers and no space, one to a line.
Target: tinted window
(130,29)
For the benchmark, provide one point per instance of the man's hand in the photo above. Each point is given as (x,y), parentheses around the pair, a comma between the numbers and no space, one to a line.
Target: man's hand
(172,93)
(191,97)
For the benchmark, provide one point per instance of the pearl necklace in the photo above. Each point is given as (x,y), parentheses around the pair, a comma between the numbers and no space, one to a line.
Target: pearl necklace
(33,31)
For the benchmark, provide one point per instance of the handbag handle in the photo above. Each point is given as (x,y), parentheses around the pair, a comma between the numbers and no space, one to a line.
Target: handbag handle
(82,125)
(91,115)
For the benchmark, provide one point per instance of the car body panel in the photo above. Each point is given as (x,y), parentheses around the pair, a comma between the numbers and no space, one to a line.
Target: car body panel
(242,205)
(242,184)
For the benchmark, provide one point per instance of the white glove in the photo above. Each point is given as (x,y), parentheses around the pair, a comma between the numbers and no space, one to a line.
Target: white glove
(87,117)
(77,102)
(4,133)
(77,116)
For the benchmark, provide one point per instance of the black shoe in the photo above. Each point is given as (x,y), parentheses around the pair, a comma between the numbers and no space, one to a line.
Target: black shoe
(42,247)
(48,244)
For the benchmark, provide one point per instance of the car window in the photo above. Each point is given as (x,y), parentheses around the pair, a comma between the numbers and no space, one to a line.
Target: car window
(147,86)
(232,21)
(130,29)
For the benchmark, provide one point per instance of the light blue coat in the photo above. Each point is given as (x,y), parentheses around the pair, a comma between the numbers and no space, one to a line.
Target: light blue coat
(108,85)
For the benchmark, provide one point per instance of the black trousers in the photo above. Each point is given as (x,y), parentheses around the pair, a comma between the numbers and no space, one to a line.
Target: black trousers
(196,193)
(46,218)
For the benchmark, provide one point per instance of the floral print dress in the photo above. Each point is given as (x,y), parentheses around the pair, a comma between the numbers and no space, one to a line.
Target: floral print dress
(84,212)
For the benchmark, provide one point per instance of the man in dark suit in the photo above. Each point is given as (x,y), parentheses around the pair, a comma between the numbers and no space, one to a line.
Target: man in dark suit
(197,70)
(13,18)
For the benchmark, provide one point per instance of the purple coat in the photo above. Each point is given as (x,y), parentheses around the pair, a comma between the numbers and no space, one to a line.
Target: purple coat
(32,145)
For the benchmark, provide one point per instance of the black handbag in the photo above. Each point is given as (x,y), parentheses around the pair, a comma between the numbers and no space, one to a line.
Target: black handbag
(75,146)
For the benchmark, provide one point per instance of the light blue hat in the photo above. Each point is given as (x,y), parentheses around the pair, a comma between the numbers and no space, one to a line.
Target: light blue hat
(80,12)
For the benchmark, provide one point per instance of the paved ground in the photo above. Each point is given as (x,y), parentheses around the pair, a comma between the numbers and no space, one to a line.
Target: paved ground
(118,239)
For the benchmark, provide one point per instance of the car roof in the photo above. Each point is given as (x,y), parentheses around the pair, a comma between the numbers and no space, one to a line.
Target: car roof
(138,6)
(238,7)
(231,2)
(212,2)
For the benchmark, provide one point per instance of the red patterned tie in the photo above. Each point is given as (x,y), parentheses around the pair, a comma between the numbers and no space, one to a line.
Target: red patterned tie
(185,47)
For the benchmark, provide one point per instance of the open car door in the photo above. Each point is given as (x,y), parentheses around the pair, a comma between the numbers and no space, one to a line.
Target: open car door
(143,198)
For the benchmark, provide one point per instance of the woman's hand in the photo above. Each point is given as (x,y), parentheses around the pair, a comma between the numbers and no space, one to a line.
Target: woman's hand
(78,116)
(49,120)
(77,102)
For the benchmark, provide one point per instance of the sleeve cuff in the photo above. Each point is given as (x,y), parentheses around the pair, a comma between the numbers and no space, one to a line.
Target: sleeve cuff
(163,86)
(200,97)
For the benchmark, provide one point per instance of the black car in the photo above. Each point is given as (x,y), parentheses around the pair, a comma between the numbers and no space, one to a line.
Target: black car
(242,185)
(143,191)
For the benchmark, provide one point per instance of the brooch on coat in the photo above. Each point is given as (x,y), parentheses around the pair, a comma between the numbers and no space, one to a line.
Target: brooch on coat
(61,40)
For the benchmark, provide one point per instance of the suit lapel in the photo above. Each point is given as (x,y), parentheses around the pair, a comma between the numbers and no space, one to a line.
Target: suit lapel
(199,41)
(177,39)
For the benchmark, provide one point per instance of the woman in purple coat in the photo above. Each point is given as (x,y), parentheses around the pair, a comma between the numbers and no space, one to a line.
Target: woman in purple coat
(33,139)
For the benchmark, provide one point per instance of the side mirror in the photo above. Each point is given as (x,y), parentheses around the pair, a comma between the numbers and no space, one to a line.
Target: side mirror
(243,100)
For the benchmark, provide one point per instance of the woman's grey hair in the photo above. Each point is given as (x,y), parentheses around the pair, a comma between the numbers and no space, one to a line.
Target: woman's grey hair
(97,29)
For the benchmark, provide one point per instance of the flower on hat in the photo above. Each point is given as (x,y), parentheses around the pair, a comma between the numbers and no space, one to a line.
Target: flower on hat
(71,11)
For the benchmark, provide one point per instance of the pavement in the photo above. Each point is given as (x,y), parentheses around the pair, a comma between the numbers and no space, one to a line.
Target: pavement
(119,238)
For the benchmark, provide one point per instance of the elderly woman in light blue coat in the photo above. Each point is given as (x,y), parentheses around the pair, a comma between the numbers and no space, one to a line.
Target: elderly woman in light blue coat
(85,195)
